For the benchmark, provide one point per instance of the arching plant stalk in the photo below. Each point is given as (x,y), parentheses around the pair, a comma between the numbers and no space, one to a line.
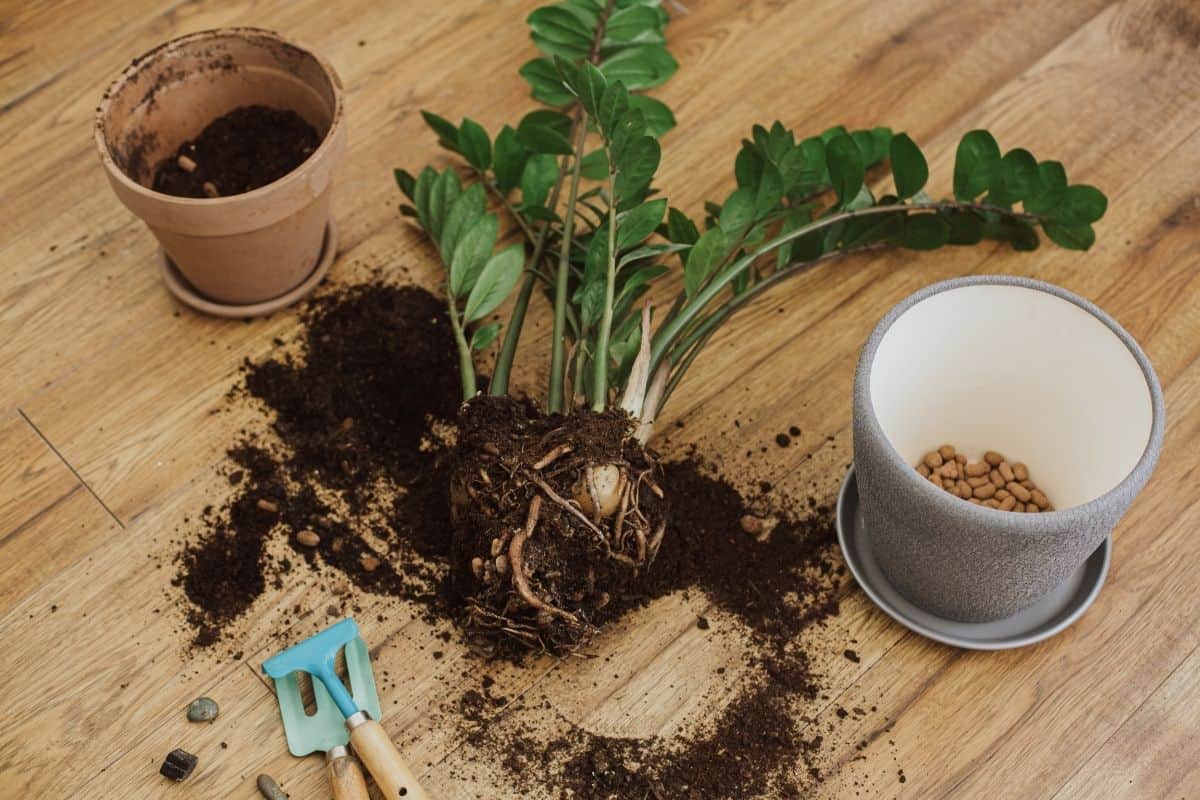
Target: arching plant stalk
(797,202)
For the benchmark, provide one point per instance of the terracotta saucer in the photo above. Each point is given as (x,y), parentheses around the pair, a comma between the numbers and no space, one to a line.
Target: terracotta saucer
(186,294)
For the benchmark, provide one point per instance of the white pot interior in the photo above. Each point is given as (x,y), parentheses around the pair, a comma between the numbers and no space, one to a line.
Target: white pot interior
(1020,371)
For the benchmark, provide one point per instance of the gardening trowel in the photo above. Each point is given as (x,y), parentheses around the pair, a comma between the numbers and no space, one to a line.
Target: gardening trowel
(342,716)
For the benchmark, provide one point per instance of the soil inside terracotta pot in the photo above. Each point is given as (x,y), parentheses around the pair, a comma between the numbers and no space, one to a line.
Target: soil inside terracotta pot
(238,152)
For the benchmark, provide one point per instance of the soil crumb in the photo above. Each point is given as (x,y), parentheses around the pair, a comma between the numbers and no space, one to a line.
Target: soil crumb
(238,152)
(349,457)
(350,475)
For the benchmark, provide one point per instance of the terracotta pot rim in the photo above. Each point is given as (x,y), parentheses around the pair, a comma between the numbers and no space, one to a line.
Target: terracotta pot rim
(328,141)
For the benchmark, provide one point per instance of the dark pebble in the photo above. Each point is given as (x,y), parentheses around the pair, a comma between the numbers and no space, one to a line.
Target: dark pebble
(178,765)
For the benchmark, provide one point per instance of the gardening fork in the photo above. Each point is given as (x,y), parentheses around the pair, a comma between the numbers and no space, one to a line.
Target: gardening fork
(342,716)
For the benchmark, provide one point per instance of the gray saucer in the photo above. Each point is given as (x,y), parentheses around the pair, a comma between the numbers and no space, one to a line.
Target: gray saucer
(1048,616)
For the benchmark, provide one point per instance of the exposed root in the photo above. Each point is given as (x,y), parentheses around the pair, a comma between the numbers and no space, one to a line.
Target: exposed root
(555,454)
(516,562)
(570,507)
(555,521)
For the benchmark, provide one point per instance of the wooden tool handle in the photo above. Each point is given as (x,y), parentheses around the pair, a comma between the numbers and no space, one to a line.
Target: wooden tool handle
(346,778)
(384,762)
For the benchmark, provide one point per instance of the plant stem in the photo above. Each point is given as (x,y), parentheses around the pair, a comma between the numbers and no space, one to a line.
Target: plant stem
(682,356)
(600,357)
(554,402)
(498,386)
(665,337)
(466,366)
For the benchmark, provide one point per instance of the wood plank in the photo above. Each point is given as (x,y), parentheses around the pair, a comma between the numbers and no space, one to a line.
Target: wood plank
(975,724)
(131,395)
(48,519)
(1156,753)
(58,275)
(112,658)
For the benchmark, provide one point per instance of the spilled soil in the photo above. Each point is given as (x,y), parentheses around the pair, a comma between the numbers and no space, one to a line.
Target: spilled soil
(238,152)
(352,477)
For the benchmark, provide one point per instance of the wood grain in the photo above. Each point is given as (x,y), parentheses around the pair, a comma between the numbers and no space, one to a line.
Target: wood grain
(110,436)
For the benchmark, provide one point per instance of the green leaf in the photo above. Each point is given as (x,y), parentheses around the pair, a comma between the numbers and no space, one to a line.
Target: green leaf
(595,165)
(636,167)
(474,144)
(612,107)
(542,138)
(444,128)
(1052,186)
(846,170)
(924,232)
(445,191)
(1019,177)
(466,211)
(829,134)
(623,349)
(639,222)
(497,278)
(548,118)
(974,162)
(770,191)
(628,128)
(509,159)
(737,215)
(795,219)
(638,281)
(873,144)
(705,256)
(650,251)
(539,213)
(545,84)
(812,171)
(808,247)
(657,115)
(909,168)
(471,254)
(639,68)
(748,166)
(965,227)
(484,335)
(864,199)
(590,87)
(406,182)
(680,228)
(634,25)
(1072,237)
(590,295)
(422,192)
(538,177)
(1017,232)
(878,228)
(557,31)
(1080,205)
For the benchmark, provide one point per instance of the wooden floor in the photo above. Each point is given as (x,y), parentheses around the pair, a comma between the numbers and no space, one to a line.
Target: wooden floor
(108,440)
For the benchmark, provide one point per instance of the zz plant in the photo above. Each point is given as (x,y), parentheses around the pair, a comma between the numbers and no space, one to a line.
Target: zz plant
(576,178)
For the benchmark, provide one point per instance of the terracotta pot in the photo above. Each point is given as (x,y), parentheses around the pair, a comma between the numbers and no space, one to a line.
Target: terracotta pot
(245,248)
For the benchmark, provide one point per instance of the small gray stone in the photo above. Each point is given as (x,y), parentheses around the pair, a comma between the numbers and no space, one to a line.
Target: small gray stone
(202,709)
(269,789)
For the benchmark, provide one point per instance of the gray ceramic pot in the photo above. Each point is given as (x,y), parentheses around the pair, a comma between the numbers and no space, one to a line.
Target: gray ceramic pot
(1018,366)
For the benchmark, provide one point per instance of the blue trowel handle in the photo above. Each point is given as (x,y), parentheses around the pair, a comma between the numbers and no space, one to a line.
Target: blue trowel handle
(337,690)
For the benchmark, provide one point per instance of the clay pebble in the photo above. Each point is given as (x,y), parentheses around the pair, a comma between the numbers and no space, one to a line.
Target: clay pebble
(178,765)
(203,709)
(992,481)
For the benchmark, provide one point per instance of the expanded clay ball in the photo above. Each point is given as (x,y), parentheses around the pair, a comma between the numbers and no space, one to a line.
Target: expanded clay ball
(991,481)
